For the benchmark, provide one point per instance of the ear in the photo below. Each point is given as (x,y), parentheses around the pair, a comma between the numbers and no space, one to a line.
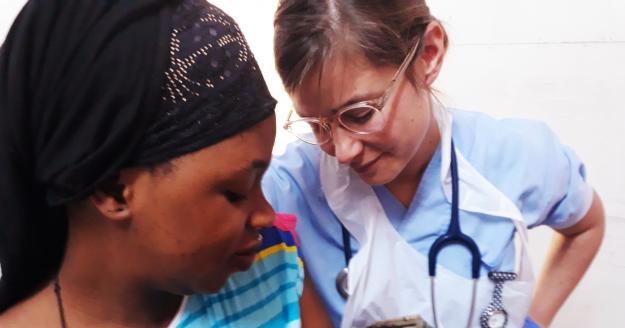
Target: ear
(434,50)
(110,199)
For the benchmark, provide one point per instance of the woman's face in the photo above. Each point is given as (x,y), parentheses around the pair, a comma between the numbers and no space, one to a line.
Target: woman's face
(381,157)
(195,223)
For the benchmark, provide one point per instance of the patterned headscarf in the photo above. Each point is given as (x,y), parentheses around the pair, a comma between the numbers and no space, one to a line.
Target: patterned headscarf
(213,87)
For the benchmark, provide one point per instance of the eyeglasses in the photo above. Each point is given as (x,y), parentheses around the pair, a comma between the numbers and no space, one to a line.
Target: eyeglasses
(364,117)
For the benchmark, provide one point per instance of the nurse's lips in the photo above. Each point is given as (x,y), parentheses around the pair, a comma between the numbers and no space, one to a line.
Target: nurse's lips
(362,169)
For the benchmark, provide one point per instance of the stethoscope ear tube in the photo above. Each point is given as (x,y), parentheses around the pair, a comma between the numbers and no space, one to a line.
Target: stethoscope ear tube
(454,234)
(347,245)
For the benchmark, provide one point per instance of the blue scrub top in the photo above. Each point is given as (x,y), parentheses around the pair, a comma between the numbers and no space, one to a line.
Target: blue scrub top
(522,158)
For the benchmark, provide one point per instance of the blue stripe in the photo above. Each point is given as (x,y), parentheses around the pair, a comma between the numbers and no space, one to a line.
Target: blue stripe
(259,267)
(245,312)
(290,313)
(274,236)
(230,294)
(254,283)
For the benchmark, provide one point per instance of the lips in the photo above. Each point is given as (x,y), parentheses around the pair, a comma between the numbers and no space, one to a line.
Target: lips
(245,256)
(249,249)
(362,169)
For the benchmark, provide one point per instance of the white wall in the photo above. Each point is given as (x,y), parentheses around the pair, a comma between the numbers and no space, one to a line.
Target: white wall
(560,61)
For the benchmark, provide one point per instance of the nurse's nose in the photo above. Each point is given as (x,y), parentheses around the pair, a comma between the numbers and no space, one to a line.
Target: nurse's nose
(346,147)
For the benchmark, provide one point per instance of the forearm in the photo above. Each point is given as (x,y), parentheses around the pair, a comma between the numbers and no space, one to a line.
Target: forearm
(571,252)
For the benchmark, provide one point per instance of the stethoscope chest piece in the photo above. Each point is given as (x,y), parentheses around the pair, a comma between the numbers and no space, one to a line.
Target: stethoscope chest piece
(341,283)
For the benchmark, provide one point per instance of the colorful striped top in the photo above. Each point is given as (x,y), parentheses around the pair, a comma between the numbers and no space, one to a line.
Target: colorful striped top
(266,295)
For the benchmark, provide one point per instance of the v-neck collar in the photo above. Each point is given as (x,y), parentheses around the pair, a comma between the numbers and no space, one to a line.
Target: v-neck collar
(394,209)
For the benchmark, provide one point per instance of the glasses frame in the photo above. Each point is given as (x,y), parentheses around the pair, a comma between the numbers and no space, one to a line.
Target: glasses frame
(376,104)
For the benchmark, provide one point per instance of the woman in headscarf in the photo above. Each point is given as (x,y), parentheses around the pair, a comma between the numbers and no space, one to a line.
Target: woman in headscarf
(133,137)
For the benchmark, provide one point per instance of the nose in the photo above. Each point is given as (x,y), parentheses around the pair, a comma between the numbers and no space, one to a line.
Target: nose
(346,147)
(263,215)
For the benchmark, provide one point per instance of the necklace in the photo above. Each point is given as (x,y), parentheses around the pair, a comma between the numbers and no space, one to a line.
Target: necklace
(59,302)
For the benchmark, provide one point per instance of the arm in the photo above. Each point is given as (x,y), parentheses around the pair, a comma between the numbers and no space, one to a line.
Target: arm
(312,309)
(572,250)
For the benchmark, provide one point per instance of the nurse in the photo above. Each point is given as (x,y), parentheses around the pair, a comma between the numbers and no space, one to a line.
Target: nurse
(382,166)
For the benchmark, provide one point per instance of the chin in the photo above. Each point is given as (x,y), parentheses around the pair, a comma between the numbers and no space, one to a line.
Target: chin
(381,176)
(213,286)
(377,179)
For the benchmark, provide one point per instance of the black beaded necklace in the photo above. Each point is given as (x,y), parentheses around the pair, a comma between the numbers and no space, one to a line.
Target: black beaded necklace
(59,302)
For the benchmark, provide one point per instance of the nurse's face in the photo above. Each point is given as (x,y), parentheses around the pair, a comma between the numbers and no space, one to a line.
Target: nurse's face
(196,223)
(390,153)
(378,157)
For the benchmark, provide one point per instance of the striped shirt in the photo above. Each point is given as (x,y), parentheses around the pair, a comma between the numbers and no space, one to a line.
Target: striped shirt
(266,295)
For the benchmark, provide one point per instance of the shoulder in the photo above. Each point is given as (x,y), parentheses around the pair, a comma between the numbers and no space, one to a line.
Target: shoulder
(502,142)
(38,310)
(298,161)
(528,163)
(279,238)
(295,173)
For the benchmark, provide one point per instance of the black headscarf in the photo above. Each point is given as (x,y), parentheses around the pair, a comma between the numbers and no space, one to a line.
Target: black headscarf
(88,87)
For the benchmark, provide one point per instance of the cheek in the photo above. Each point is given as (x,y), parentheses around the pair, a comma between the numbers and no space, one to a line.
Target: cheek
(194,247)
(210,228)
(183,225)
(409,130)
(387,141)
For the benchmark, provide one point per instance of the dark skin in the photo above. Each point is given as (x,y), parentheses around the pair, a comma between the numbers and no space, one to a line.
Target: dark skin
(178,230)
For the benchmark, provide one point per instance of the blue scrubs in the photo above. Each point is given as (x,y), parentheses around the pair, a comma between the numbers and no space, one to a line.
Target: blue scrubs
(522,158)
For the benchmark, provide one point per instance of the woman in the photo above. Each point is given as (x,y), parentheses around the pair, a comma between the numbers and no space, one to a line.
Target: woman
(134,136)
(391,174)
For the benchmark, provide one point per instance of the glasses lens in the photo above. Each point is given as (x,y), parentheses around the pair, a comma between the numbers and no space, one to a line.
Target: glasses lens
(363,119)
(312,132)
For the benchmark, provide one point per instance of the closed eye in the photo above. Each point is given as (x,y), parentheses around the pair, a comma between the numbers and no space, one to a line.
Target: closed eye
(358,115)
(234,197)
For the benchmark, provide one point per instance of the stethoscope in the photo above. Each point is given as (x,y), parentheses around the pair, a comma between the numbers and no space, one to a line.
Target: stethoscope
(494,316)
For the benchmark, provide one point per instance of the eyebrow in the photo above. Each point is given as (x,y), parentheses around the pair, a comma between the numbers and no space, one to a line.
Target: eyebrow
(246,171)
(255,165)
(351,101)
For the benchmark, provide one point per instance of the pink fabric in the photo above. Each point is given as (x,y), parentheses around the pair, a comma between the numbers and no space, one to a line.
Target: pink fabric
(287,222)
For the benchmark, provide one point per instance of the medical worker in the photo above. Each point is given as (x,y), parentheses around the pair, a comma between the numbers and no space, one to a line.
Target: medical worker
(408,209)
